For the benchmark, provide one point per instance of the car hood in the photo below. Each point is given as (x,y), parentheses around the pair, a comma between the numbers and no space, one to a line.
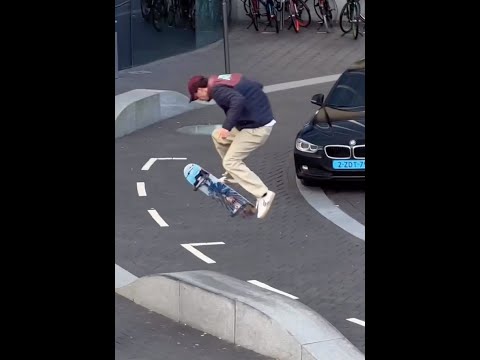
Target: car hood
(332,125)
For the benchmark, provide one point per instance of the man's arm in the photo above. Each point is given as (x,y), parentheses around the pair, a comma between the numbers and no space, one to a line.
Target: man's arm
(231,100)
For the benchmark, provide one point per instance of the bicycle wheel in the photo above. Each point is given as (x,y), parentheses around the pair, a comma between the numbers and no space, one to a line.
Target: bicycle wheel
(303,13)
(345,20)
(293,16)
(146,10)
(181,15)
(332,11)
(355,19)
(159,10)
(330,7)
(229,9)
(172,10)
(324,16)
(316,7)
(246,7)
(191,15)
(272,16)
(254,12)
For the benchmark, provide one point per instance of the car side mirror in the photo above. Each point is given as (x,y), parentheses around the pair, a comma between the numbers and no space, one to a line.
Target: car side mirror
(317,99)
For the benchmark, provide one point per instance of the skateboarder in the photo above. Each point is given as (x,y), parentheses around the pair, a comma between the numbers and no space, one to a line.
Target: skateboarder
(248,124)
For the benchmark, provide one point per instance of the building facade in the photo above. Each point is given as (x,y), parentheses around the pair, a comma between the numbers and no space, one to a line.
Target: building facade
(148,30)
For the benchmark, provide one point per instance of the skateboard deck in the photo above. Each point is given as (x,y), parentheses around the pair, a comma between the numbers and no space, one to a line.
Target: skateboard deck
(203,180)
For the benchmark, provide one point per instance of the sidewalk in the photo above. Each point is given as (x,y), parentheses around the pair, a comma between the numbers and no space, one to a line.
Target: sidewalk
(141,334)
(269,58)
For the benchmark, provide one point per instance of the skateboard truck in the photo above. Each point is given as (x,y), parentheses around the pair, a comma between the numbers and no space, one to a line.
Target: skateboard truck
(200,182)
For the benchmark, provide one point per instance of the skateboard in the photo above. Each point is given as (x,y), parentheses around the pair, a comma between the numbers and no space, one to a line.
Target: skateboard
(209,184)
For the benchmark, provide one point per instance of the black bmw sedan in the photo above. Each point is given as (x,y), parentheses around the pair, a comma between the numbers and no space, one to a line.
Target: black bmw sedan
(332,144)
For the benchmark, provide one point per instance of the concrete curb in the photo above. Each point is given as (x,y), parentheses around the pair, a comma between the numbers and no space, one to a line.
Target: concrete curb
(139,108)
(242,313)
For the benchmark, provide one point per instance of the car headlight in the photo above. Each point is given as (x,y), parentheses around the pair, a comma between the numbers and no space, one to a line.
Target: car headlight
(305,146)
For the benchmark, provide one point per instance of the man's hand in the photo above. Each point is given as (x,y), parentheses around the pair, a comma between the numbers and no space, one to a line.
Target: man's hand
(223,133)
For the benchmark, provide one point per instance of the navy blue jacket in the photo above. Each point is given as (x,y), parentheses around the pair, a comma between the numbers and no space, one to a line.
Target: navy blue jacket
(243,101)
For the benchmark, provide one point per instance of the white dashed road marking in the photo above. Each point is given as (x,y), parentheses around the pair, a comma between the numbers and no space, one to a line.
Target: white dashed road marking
(151,161)
(155,215)
(201,256)
(141,189)
(356,321)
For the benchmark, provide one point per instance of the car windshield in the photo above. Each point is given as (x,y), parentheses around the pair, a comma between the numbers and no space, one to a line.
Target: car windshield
(349,92)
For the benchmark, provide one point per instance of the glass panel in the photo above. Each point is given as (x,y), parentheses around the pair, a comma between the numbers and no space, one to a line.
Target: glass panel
(209,22)
(165,28)
(122,27)
(167,32)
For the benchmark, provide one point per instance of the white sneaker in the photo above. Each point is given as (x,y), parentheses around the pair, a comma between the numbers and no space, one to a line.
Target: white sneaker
(264,203)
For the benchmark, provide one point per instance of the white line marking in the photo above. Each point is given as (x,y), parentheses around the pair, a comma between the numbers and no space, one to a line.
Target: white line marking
(157,217)
(191,248)
(300,83)
(139,72)
(172,158)
(320,202)
(141,189)
(356,321)
(123,277)
(289,85)
(151,161)
(268,287)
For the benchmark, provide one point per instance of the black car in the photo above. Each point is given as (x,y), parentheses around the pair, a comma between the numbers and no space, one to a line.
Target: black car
(332,144)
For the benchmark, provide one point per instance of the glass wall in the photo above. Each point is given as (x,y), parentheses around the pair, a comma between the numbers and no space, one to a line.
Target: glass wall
(148,30)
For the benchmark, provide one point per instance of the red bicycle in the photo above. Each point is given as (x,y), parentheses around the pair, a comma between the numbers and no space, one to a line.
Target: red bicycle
(299,14)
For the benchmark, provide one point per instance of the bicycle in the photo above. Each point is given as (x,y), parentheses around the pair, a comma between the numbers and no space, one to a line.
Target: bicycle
(326,11)
(146,9)
(350,18)
(253,11)
(296,8)
(181,11)
(155,10)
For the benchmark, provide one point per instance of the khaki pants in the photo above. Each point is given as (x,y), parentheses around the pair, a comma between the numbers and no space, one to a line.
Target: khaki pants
(235,148)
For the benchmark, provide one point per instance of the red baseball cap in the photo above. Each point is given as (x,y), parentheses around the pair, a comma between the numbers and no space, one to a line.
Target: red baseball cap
(193,86)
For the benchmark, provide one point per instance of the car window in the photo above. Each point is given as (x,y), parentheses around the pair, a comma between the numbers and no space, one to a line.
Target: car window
(349,91)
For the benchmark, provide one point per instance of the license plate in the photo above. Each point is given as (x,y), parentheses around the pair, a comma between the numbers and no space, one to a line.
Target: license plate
(349,164)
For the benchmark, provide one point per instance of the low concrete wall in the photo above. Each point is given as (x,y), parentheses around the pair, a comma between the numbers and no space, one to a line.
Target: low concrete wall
(242,313)
(139,108)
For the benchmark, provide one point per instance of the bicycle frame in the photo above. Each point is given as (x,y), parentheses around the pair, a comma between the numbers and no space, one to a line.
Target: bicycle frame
(255,14)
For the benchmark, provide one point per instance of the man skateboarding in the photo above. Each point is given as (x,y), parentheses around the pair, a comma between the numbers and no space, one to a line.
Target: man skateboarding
(247,126)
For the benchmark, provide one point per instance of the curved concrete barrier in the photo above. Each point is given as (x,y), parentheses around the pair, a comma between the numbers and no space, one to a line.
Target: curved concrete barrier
(242,313)
(139,108)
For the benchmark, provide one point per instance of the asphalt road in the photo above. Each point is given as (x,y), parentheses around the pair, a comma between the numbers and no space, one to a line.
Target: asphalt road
(295,249)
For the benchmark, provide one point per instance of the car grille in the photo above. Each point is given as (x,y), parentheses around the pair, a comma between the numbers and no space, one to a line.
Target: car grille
(359,152)
(338,151)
